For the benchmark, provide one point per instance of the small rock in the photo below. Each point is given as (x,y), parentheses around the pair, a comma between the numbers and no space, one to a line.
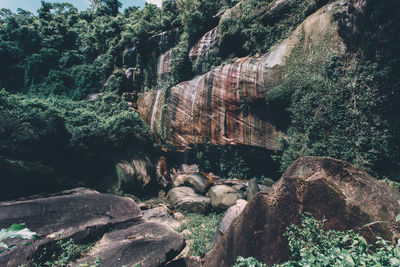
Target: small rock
(179,180)
(162,215)
(161,194)
(186,232)
(145,206)
(179,216)
(185,168)
(253,189)
(223,196)
(198,182)
(264,188)
(268,182)
(186,199)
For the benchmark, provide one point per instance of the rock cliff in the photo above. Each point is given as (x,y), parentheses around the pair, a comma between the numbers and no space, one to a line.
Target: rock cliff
(227,105)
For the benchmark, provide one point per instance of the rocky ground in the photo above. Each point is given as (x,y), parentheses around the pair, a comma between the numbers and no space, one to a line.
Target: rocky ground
(125,233)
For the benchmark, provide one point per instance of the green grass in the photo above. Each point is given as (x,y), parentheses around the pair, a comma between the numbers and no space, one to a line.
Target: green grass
(202,228)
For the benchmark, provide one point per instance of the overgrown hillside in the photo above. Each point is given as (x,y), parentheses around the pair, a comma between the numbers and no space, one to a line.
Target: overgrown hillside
(344,106)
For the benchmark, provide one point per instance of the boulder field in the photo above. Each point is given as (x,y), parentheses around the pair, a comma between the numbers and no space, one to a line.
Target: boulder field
(346,196)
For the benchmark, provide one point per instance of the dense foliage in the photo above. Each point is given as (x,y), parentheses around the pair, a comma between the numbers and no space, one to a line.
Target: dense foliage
(311,245)
(346,108)
(57,140)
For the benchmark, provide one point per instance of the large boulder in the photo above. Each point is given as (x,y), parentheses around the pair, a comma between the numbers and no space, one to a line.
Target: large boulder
(228,217)
(78,213)
(146,244)
(198,182)
(223,196)
(348,197)
(136,176)
(185,198)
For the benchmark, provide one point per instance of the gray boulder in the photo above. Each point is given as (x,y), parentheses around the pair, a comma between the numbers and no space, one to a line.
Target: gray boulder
(145,244)
(253,189)
(198,182)
(223,196)
(135,177)
(186,199)
(229,215)
(161,215)
(78,214)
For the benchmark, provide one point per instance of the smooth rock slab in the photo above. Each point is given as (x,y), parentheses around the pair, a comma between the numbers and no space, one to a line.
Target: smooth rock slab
(186,199)
(77,213)
(146,244)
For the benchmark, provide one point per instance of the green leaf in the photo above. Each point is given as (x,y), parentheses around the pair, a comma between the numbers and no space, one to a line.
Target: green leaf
(394,262)
(398,217)
(16,230)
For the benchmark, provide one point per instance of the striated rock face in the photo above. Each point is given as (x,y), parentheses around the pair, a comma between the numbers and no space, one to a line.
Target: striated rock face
(215,106)
(348,197)
(205,44)
(164,66)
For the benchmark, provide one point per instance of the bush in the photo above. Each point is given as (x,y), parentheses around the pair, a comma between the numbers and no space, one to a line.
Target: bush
(311,245)
(71,140)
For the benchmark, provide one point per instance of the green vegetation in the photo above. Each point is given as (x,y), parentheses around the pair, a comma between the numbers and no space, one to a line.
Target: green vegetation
(64,253)
(202,229)
(15,231)
(345,107)
(259,25)
(311,245)
(57,140)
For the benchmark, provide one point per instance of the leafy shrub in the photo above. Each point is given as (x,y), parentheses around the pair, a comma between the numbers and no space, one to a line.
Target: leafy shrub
(64,253)
(311,245)
(58,137)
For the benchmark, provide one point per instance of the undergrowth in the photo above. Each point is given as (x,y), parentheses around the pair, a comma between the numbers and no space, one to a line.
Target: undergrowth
(311,245)
(202,229)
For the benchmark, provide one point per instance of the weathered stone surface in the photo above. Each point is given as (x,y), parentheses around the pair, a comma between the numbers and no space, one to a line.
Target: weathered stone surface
(162,173)
(229,215)
(186,199)
(164,66)
(146,244)
(205,44)
(161,215)
(76,213)
(135,176)
(189,261)
(345,195)
(179,180)
(211,106)
(253,189)
(198,182)
(223,196)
